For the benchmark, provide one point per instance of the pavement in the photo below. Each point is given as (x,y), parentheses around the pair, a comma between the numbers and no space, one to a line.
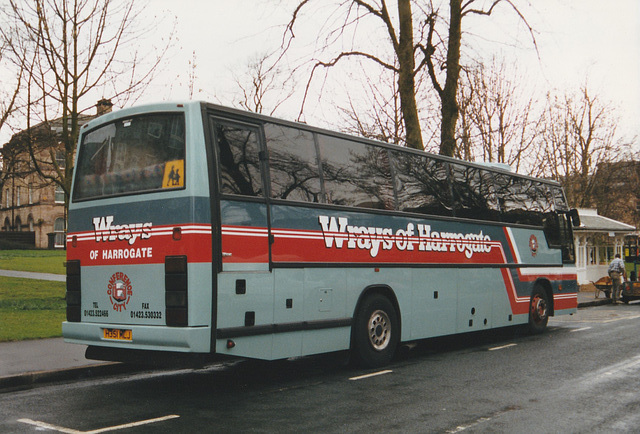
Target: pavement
(25,364)
(38,276)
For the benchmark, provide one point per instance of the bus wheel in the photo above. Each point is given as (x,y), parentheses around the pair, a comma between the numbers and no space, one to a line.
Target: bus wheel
(376,332)
(538,311)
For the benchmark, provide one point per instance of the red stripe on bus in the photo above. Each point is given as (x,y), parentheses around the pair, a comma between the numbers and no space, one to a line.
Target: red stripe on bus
(568,302)
(194,241)
(251,245)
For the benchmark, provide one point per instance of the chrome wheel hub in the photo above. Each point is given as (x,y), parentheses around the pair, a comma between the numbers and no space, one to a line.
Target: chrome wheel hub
(379,330)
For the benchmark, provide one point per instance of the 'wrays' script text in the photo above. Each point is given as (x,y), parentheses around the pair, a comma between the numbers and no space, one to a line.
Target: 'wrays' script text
(106,231)
(420,237)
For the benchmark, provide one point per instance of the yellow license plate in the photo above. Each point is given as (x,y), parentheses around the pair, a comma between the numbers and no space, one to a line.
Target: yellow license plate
(117,334)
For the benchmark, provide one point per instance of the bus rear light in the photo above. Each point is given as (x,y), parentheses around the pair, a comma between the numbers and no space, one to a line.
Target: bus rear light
(230,344)
(73,296)
(175,265)
(176,282)
(177,234)
(73,313)
(177,317)
(176,298)
(74,241)
(73,268)
(176,294)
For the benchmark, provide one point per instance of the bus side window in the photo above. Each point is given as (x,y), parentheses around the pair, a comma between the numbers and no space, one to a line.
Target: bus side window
(473,193)
(356,174)
(293,164)
(557,229)
(422,184)
(522,200)
(239,161)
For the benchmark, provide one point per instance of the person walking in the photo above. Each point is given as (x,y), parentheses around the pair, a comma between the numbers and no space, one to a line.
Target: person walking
(616,272)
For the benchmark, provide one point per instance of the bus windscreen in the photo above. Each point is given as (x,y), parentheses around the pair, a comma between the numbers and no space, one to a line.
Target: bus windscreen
(133,155)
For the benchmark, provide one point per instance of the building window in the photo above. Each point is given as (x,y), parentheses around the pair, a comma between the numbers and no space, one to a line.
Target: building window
(58,228)
(7,198)
(61,159)
(59,194)
(18,196)
(30,193)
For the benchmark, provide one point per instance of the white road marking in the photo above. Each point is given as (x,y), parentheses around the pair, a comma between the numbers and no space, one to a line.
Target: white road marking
(581,329)
(483,419)
(62,429)
(374,374)
(44,425)
(618,371)
(598,316)
(502,347)
(618,319)
(471,425)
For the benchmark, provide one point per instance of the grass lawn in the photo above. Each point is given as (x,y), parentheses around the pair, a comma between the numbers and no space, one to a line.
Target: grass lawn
(40,261)
(31,309)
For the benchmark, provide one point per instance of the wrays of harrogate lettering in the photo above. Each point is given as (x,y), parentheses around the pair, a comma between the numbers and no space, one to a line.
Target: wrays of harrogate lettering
(132,253)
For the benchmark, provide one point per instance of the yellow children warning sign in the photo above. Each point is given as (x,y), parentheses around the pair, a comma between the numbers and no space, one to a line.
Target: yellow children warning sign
(173,174)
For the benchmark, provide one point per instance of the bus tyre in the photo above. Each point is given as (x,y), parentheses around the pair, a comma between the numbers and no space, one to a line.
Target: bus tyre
(538,310)
(376,332)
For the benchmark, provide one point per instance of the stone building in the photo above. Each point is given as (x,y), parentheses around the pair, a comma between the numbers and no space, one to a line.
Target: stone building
(32,208)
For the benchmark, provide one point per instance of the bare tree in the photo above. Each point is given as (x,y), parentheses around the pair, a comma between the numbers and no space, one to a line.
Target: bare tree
(498,121)
(264,86)
(411,50)
(8,97)
(191,79)
(578,135)
(451,65)
(382,118)
(616,191)
(68,50)
(401,38)
(9,91)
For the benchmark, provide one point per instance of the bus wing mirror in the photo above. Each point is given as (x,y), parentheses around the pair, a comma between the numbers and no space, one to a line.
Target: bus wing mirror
(575,217)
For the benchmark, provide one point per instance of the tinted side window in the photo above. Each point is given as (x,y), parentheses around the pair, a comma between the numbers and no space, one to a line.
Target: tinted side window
(356,174)
(238,149)
(422,184)
(473,193)
(293,164)
(557,228)
(559,201)
(544,198)
(522,200)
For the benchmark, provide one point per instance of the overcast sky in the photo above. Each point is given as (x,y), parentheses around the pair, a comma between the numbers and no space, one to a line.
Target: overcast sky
(579,41)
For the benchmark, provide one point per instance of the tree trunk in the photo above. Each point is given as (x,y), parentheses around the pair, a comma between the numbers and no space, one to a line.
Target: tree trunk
(450,90)
(406,81)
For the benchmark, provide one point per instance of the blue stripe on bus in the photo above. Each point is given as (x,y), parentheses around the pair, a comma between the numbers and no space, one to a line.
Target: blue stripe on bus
(158,211)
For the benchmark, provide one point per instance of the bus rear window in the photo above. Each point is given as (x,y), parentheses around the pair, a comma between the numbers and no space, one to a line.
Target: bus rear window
(132,155)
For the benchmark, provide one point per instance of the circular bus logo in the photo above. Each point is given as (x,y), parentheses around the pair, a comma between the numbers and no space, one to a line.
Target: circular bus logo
(119,290)
(533,245)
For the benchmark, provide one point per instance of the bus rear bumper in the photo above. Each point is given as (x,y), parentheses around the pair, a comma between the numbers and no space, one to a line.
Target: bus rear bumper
(151,338)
